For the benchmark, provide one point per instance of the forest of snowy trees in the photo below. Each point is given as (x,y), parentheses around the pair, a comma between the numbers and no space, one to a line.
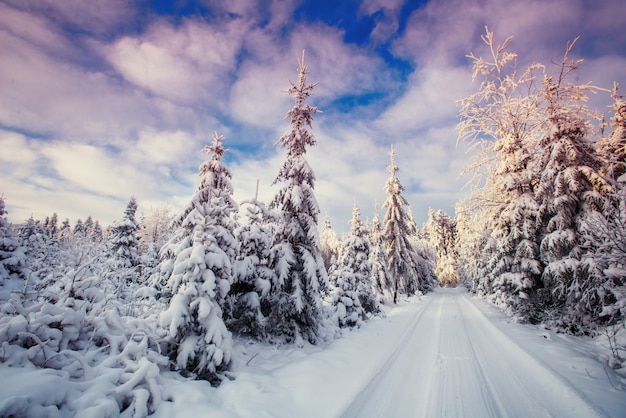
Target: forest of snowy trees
(110,309)
(542,233)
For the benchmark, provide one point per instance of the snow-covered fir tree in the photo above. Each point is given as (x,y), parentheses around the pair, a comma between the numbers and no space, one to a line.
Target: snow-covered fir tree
(353,295)
(124,241)
(440,230)
(567,190)
(355,251)
(612,147)
(124,265)
(408,275)
(79,229)
(503,122)
(381,279)
(329,243)
(295,254)
(198,269)
(606,234)
(249,300)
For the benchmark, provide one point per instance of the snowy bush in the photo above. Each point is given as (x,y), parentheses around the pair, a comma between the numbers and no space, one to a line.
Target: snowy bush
(12,258)
(72,326)
(105,364)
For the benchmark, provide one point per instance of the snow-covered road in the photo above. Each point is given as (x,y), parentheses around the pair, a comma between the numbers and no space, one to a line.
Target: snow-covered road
(455,363)
(446,355)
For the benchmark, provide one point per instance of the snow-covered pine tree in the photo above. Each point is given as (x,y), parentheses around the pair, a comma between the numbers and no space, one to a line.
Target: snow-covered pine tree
(612,147)
(295,255)
(353,295)
(12,258)
(469,242)
(52,226)
(606,235)
(96,234)
(329,243)
(440,229)
(79,229)
(355,251)
(65,232)
(569,192)
(407,274)
(197,267)
(124,264)
(124,241)
(248,302)
(381,278)
(503,123)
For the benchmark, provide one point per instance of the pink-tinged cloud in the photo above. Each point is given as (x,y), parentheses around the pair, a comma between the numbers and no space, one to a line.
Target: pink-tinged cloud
(258,96)
(92,16)
(185,63)
(429,99)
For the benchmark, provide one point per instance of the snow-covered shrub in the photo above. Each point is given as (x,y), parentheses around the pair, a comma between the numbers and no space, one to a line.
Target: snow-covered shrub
(103,360)
(12,258)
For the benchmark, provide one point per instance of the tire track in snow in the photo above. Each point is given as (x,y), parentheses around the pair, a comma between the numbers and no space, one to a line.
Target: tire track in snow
(459,386)
(377,397)
(523,384)
(453,361)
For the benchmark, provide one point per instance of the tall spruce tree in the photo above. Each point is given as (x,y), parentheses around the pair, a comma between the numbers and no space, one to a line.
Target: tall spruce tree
(197,268)
(407,275)
(295,255)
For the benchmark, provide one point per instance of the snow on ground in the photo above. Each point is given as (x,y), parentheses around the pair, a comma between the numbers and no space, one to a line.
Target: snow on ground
(445,354)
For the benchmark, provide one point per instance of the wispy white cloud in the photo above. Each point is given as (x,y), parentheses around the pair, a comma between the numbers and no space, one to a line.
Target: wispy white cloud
(186,63)
(429,99)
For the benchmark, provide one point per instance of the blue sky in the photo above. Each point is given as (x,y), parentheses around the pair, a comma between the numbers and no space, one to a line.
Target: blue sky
(104,99)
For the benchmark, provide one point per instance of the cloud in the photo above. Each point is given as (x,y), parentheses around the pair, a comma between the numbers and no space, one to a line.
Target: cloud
(92,16)
(103,100)
(183,63)
(429,99)
(46,95)
(257,96)
(386,18)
